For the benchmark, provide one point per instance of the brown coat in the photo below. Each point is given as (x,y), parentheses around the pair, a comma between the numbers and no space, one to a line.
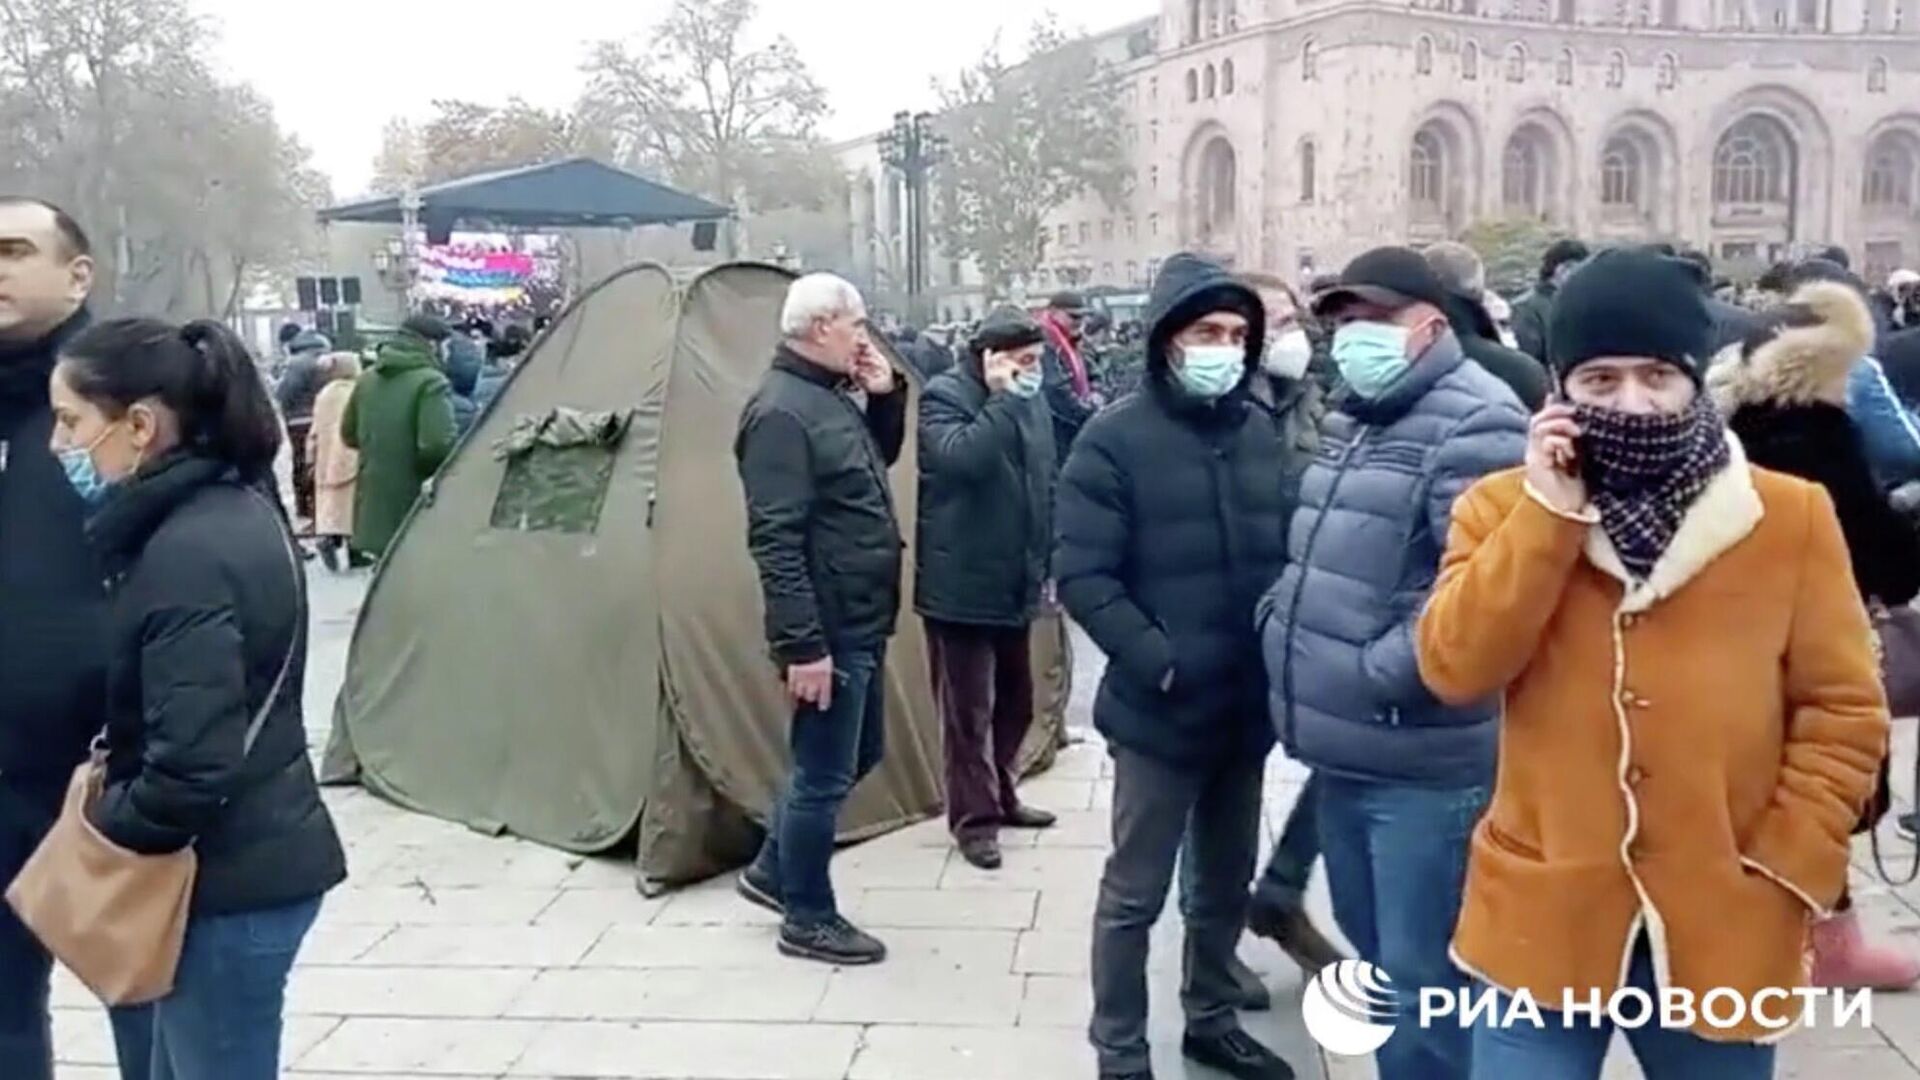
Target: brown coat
(335,464)
(1685,756)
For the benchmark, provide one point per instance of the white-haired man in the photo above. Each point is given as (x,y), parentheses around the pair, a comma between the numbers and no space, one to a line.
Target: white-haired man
(822,529)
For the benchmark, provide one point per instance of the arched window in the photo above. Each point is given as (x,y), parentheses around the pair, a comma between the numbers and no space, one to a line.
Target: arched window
(1877,75)
(1470,60)
(1133,272)
(1620,170)
(1669,72)
(1426,173)
(1892,162)
(1753,163)
(1309,168)
(1211,82)
(1219,176)
(1522,174)
(1309,60)
(1616,69)
(1563,68)
(1423,55)
(1226,77)
(1193,86)
(1516,63)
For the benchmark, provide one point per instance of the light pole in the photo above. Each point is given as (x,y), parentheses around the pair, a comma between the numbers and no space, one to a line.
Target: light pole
(410,207)
(911,147)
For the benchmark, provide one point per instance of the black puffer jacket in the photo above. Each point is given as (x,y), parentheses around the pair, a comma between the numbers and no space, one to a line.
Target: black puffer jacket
(986,501)
(207,606)
(820,517)
(1171,522)
(53,658)
(1480,340)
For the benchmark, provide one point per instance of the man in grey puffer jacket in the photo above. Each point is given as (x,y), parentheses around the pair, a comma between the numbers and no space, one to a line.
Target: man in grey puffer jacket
(1402,778)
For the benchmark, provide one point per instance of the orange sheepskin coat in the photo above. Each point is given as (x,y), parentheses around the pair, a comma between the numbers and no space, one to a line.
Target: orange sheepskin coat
(1683,756)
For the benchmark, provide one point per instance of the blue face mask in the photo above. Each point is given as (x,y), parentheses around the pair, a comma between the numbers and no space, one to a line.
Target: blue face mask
(1026,383)
(83,474)
(1208,372)
(1371,356)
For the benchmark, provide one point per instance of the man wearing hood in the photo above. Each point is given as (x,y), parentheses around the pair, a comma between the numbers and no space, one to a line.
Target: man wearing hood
(52,608)
(1171,518)
(1401,775)
(1691,715)
(401,419)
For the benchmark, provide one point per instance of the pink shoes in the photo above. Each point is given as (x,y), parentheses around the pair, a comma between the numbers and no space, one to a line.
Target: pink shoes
(1843,958)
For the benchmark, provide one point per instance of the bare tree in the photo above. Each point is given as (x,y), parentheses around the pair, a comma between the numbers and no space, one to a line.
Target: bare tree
(1023,140)
(714,113)
(402,160)
(189,186)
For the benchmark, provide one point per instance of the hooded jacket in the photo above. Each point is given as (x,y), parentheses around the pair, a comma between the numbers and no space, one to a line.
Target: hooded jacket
(1682,756)
(401,419)
(52,607)
(208,607)
(1171,520)
(1363,552)
(1785,394)
(986,501)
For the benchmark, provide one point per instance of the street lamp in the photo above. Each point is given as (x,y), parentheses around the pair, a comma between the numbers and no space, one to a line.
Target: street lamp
(911,147)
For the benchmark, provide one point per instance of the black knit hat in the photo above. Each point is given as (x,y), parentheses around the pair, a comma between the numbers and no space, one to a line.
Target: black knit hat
(1005,329)
(1631,302)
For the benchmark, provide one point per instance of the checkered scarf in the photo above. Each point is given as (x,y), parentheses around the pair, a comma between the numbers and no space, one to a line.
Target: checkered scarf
(1644,471)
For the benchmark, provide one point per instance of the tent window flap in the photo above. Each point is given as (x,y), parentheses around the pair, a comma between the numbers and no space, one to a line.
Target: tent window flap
(558,467)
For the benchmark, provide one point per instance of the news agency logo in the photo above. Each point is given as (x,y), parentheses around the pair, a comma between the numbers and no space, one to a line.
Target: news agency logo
(1350,1008)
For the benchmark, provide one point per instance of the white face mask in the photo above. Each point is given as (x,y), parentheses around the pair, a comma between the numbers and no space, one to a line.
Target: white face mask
(1288,354)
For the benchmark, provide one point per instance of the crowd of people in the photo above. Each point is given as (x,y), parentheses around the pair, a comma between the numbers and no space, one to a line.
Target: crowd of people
(1572,621)
(1571,617)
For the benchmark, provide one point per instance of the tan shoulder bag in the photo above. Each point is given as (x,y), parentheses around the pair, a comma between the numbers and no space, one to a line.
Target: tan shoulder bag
(116,918)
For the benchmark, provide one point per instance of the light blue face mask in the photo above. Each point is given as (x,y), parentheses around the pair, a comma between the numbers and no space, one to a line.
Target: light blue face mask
(1371,356)
(83,474)
(1026,382)
(1208,372)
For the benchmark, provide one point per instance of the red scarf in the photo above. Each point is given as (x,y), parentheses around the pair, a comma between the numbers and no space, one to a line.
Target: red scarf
(1057,337)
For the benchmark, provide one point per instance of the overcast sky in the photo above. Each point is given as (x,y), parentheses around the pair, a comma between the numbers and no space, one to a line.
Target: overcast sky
(336,72)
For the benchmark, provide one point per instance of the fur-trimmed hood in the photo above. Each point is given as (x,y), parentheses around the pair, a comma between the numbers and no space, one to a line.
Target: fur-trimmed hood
(1797,354)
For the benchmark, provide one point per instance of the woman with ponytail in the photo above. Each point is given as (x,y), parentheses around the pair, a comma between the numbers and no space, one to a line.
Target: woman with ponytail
(169,435)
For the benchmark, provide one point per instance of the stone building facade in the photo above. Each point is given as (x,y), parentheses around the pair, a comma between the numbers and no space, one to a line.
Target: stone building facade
(1292,134)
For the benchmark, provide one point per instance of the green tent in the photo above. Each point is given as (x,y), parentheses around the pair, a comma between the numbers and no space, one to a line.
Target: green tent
(565,640)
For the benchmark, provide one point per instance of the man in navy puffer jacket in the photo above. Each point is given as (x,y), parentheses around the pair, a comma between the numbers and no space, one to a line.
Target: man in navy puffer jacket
(1402,777)
(1171,515)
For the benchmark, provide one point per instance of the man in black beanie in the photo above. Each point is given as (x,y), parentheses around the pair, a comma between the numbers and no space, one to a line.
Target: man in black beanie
(985,527)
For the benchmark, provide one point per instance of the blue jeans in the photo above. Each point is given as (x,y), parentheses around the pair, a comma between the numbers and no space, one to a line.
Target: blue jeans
(26,1039)
(833,748)
(1557,1052)
(223,1019)
(1396,862)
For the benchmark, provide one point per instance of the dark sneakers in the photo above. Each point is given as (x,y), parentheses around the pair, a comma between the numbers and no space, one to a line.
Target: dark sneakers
(1027,817)
(1289,928)
(1238,1055)
(981,851)
(832,940)
(760,889)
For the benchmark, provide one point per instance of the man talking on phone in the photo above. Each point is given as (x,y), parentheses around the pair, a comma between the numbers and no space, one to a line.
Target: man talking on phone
(813,448)
(1692,714)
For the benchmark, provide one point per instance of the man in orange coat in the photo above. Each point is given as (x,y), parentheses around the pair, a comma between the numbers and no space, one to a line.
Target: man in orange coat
(1693,716)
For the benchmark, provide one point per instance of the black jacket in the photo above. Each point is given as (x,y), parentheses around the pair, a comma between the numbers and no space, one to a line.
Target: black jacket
(1171,523)
(1530,321)
(986,501)
(1480,340)
(299,385)
(1818,442)
(1070,412)
(206,607)
(52,608)
(820,517)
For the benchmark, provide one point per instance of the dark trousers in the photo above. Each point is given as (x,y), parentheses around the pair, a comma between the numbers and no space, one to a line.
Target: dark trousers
(1289,869)
(833,748)
(223,1019)
(27,811)
(1153,805)
(302,468)
(983,685)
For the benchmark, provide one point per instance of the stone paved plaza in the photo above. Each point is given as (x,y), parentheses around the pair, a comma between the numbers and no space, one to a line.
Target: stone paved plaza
(454,954)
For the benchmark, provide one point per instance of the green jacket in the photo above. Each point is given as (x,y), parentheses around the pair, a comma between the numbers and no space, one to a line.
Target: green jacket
(400,418)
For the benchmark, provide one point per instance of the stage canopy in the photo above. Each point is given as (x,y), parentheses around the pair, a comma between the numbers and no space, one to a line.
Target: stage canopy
(568,194)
